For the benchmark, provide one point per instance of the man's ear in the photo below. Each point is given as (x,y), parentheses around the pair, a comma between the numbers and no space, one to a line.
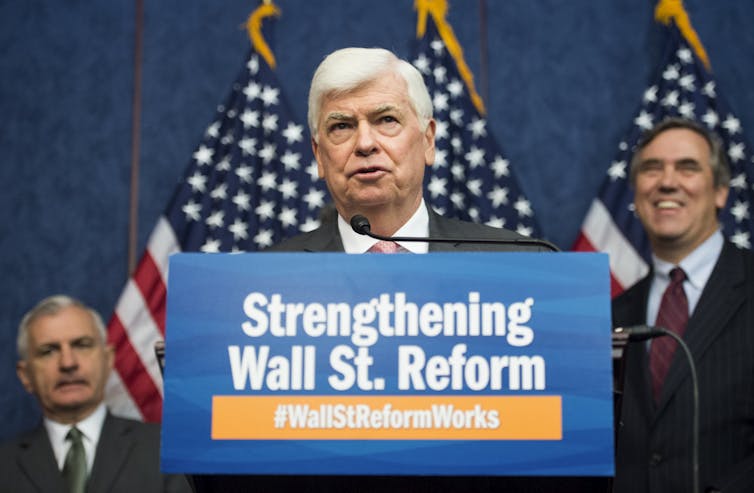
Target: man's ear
(109,360)
(110,355)
(22,371)
(429,143)
(721,196)
(315,151)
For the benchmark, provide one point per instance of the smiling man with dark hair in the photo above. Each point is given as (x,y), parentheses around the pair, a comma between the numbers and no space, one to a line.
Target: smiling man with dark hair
(701,287)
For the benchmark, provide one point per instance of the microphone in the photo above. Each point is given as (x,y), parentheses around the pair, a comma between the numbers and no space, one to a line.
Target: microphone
(643,332)
(360,224)
(636,333)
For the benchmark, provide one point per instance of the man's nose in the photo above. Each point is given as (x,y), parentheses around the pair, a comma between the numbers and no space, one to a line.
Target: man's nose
(366,144)
(669,177)
(68,358)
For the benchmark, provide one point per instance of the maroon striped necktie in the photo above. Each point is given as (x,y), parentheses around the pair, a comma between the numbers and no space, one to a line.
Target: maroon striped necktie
(386,247)
(672,315)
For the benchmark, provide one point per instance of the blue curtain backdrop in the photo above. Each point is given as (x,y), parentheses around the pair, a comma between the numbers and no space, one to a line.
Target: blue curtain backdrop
(564,79)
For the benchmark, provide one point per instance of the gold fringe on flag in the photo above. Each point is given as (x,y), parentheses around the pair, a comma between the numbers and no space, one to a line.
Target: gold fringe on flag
(437,9)
(254,27)
(673,9)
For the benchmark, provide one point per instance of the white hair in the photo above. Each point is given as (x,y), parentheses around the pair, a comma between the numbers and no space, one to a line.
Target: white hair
(50,306)
(347,69)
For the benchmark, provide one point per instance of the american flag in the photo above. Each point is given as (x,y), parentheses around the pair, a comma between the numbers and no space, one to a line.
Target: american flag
(470,179)
(683,87)
(251,182)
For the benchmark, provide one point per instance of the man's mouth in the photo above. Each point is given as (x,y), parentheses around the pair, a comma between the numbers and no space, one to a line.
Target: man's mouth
(668,204)
(368,170)
(70,383)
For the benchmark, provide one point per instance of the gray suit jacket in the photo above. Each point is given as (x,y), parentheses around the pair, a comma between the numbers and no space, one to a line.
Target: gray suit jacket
(127,460)
(326,238)
(654,441)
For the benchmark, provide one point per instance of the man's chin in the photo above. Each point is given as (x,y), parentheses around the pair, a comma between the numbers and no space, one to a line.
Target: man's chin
(666,238)
(74,409)
(667,231)
(367,203)
(74,399)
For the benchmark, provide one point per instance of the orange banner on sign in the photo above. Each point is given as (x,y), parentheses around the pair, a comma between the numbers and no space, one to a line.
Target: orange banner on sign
(387,418)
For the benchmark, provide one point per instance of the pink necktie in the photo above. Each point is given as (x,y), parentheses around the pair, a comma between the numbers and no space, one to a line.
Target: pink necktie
(386,247)
(672,315)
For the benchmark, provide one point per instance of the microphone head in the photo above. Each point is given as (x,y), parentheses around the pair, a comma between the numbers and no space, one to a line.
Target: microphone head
(639,332)
(360,224)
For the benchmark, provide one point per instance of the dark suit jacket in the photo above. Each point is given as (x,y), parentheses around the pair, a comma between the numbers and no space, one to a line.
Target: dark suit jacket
(654,442)
(327,239)
(127,460)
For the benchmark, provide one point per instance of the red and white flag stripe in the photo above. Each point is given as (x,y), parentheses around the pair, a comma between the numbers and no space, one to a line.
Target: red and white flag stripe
(135,387)
(600,234)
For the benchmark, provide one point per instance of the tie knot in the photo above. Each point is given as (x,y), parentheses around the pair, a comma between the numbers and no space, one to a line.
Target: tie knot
(677,275)
(386,247)
(74,435)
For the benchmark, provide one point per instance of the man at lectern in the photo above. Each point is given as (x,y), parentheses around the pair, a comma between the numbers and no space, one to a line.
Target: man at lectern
(373,134)
(65,362)
(701,287)
(370,117)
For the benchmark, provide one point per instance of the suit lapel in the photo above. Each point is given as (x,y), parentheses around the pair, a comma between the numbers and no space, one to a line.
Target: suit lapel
(326,238)
(115,443)
(437,229)
(37,460)
(634,312)
(721,298)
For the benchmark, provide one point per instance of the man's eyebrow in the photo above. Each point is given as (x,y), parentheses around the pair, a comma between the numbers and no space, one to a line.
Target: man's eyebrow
(674,161)
(83,339)
(49,344)
(338,116)
(686,160)
(387,108)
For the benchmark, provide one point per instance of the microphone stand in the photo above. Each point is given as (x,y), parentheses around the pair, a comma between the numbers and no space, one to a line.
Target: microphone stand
(360,225)
(642,333)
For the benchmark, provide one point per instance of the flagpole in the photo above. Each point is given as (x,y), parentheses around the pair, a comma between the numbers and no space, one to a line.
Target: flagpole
(668,10)
(133,213)
(484,82)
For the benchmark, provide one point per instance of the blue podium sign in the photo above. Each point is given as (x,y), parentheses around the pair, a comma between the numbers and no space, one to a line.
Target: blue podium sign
(437,364)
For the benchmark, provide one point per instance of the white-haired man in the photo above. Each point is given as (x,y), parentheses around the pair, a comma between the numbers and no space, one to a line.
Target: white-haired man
(373,135)
(65,362)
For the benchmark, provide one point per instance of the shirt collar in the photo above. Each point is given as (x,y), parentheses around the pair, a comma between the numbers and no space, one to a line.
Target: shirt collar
(417,225)
(698,264)
(90,427)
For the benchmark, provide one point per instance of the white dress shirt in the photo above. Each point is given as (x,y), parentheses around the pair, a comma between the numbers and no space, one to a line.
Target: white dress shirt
(417,225)
(90,428)
(698,266)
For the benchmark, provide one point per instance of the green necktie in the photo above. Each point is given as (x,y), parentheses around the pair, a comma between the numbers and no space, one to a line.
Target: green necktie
(74,469)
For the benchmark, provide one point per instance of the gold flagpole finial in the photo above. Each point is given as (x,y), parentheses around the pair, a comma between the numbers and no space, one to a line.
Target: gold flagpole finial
(254,28)
(438,10)
(668,10)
